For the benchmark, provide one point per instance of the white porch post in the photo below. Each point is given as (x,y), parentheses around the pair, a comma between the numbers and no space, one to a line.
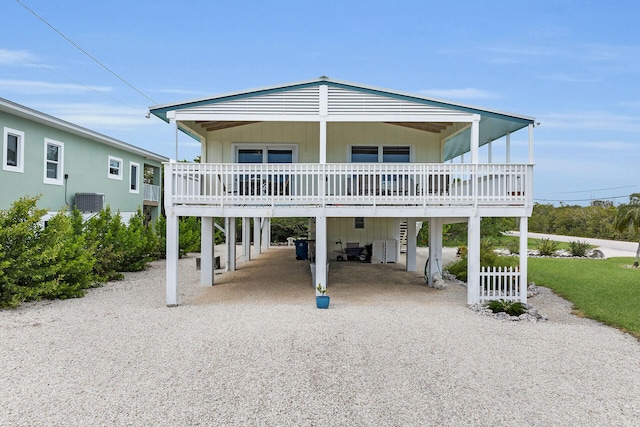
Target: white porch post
(473,259)
(530,144)
(475,139)
(435,248)
(257,234)
(230,226)
(266,233)
(508,149)
(321,252)
(207,252)
(524,230)
(246,239)
(172,257)
(324,111)
(411,245)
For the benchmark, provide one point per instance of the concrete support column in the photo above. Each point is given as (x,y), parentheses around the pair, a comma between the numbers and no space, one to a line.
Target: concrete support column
(246,239)
(257,235)
(266,233)
(473,259)
(321,252)
(524,230)
(230,226)
(412,240)
(172,258)
(206,252)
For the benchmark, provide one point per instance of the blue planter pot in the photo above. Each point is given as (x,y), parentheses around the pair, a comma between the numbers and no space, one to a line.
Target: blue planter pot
(322,301)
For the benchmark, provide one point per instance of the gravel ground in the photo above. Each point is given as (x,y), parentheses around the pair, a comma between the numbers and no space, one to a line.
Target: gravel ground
(254,350)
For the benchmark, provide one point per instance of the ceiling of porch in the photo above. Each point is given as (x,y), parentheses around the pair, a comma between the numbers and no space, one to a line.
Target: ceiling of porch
(433,127)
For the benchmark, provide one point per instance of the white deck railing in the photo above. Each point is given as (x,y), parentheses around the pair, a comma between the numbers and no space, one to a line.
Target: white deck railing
(407,184)
(500,283)
(151,192)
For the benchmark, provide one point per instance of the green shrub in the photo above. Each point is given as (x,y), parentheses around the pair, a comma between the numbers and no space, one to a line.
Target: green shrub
(488,258)
(41,262)
(512,308)
(104,236)
(139,244)
(513,246)
(547,247)
(189,237)
(579,249)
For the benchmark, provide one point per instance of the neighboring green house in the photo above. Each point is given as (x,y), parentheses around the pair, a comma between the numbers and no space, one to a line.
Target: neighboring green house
(69,165)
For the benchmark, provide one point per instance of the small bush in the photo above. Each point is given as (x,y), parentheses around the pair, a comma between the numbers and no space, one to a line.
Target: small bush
(488,258)
(513,246)
(547,247)
(512,308)
(579,249)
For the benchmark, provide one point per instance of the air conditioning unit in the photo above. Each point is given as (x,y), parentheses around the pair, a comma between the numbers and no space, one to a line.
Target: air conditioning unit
(89,202)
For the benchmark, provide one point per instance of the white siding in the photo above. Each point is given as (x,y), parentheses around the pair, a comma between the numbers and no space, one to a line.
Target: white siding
(344,101)
(290,101)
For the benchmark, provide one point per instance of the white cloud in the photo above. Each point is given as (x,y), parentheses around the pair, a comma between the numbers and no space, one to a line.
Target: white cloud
(41,87)
(591,120)
(99,117)
(16,58)
(467,93)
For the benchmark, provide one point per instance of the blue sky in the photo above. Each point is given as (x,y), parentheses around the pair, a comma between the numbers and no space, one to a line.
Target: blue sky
(573,65)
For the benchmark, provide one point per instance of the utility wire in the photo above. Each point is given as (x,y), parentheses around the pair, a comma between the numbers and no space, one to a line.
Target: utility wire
(85,52)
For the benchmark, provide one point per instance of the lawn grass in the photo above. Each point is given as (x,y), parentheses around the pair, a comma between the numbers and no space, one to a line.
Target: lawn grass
(603,290)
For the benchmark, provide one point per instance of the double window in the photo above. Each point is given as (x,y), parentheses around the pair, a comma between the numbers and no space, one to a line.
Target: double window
(13,150)
(377,154)
(53,162)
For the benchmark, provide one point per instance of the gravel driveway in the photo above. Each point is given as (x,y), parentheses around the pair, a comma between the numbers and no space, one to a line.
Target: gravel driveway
(254,350)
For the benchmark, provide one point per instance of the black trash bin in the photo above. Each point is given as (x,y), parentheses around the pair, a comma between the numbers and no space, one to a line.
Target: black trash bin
(302,249)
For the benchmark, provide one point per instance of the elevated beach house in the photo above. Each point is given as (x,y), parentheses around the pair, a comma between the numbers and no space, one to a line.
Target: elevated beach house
(366,165)
(69,165)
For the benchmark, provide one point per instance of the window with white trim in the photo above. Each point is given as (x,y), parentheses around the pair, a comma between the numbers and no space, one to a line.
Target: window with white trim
(13,150)
(53,162)
(115,168)
(134,177)
(358,223)
(380,154)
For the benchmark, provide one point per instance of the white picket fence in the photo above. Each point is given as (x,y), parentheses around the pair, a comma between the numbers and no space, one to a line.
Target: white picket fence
(500,283)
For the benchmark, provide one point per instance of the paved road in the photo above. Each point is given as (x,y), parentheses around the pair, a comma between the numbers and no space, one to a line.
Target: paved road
(610,248)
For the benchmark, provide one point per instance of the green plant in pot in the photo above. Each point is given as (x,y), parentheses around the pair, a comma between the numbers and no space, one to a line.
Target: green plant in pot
(322,299)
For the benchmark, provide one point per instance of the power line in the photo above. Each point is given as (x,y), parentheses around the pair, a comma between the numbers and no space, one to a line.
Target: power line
(85,52)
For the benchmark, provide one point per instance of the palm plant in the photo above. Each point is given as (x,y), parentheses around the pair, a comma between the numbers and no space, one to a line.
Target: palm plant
(629,216)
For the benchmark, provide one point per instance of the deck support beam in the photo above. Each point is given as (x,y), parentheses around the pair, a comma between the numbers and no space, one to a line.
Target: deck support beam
(257,234)
(435,248)
(524,230)
(412,239)
(246,239)
(207,251)
(473,260)
(266,233)
(230,226)
(321,252)
(172,259)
